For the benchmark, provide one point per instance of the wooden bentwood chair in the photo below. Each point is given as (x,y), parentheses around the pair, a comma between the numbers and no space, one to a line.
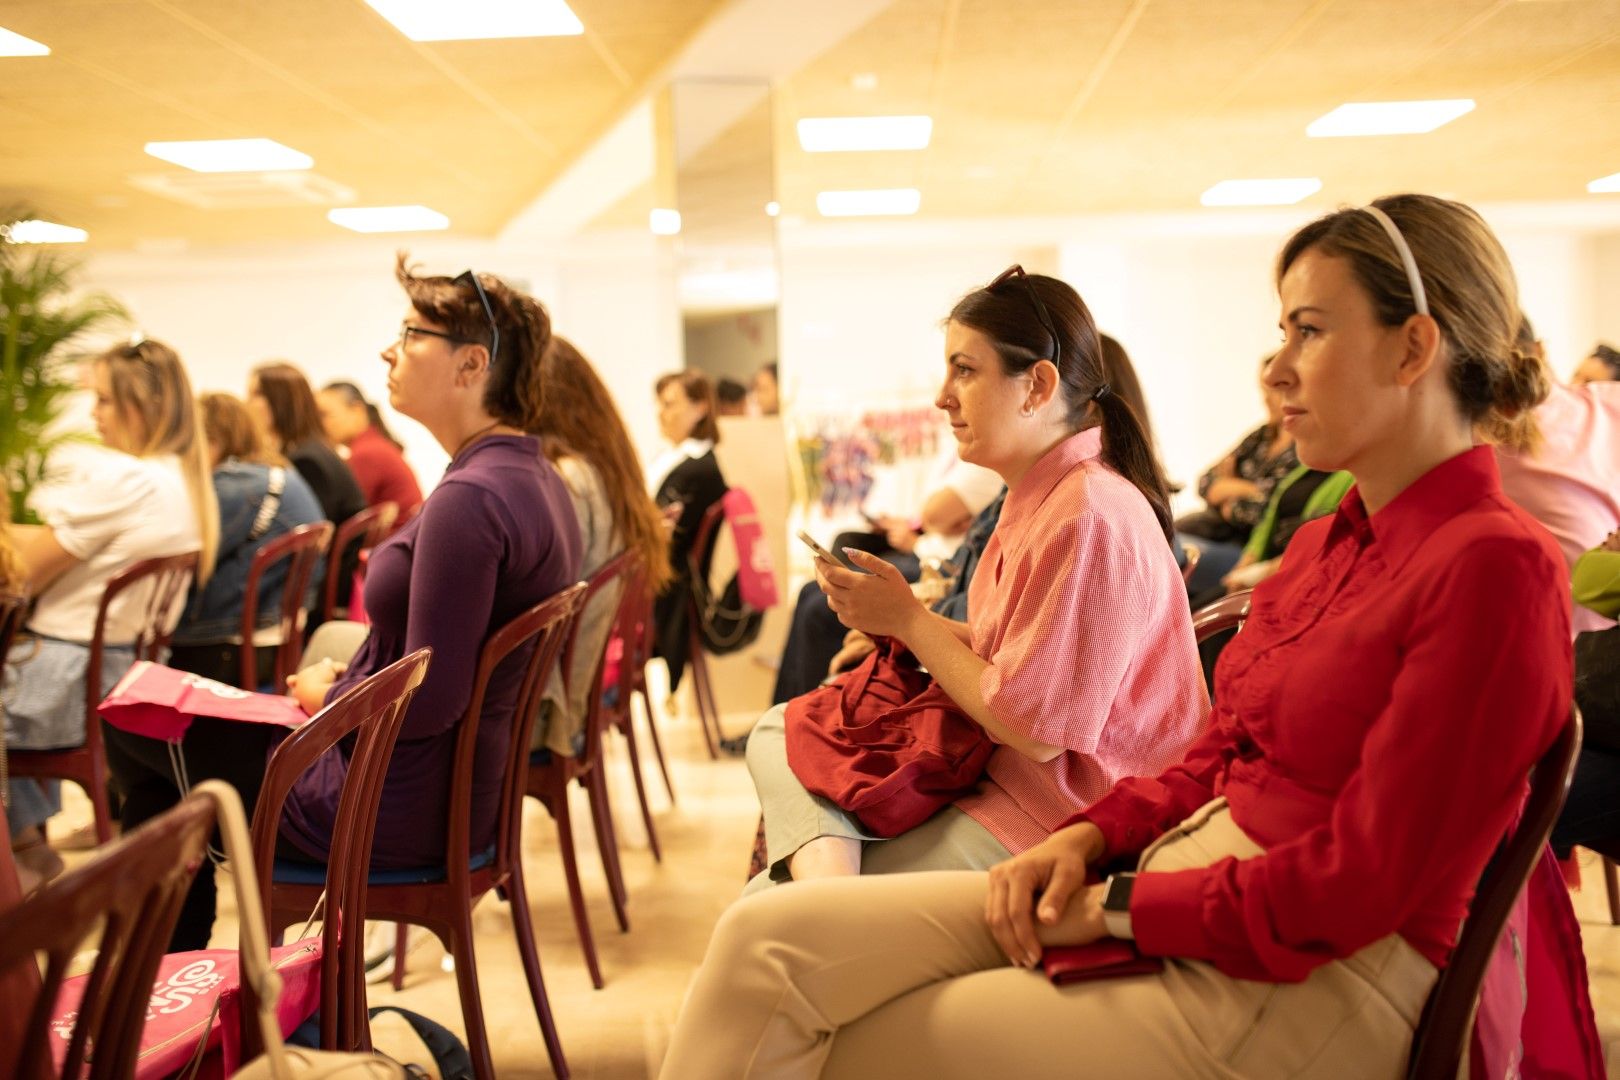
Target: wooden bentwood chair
(166,581)
(366,529)
(441,897)
(132,890)
(708,710)
(375,709)
(1448,1018)
(301,549)
(550,773)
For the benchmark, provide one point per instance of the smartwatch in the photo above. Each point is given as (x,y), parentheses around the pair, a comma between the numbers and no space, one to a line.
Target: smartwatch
(1116,905)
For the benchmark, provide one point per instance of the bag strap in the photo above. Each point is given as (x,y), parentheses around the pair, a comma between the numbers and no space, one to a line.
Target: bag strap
(271,504)
(255,940)
(448,1052)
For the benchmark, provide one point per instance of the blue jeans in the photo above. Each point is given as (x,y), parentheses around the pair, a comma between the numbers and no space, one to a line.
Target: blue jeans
(1215,560)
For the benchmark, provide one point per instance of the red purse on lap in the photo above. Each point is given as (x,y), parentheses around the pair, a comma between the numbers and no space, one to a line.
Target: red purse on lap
(885,743)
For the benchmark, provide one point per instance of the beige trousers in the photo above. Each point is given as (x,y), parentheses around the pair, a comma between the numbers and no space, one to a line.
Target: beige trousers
(950,840)
(899,977)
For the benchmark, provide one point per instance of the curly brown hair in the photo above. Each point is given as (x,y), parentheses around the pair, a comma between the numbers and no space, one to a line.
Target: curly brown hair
(514,392)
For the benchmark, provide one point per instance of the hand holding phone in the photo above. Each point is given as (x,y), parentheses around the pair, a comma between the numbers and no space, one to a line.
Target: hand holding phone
(826,556)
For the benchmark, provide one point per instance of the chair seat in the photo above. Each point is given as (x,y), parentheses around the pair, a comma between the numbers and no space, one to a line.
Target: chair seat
(288,872)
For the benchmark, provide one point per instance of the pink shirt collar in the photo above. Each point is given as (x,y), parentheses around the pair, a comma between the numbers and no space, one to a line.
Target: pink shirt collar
(1053,466)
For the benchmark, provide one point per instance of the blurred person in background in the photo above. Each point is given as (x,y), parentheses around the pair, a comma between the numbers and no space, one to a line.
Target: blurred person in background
(376,458)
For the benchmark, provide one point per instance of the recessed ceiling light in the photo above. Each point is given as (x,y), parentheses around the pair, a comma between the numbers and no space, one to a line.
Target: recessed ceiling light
(14,44)
(468,20)
(369,219)
(868,203)
(43,232)
(773,208)
(664,222)
(231,155)
(1388,117)
(821,134)
(1604,185)
(866,80)
(1280,192)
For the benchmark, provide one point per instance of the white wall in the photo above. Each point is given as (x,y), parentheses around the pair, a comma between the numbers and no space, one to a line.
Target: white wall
(331,309)
(1190,297)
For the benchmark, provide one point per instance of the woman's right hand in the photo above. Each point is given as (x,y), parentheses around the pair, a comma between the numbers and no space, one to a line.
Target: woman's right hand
(1054,870)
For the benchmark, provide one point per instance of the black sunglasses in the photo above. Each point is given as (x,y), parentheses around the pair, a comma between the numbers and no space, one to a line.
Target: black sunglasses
(1017,271)
(467,277)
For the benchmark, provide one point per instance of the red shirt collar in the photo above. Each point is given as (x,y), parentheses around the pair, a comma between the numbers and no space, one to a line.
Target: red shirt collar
(1427,503)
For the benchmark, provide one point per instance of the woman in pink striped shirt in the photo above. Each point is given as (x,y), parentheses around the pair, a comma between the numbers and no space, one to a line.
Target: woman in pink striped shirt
(1078,657)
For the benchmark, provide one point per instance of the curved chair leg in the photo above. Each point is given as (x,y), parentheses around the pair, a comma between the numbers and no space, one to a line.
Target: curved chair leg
(472,1006)
(97,790)
(607,843)
(641,789)
(531,969)
(658,745)
(1611,882)
(700,689)
(402,938)
(576,897)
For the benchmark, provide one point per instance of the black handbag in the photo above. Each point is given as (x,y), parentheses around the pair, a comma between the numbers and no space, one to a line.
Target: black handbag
(1207,524)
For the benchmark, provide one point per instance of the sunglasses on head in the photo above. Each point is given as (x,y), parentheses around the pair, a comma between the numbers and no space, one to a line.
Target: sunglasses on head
(1015,271)
(467,277)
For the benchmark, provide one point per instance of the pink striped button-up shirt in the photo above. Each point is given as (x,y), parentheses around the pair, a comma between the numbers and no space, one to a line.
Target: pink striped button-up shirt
(1079,608)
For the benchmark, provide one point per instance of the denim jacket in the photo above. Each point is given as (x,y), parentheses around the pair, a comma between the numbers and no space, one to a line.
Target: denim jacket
(214,613)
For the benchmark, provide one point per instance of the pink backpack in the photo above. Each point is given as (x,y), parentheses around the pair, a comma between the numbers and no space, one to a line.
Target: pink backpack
(756,576)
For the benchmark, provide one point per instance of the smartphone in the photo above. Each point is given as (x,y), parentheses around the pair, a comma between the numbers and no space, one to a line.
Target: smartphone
(825,555)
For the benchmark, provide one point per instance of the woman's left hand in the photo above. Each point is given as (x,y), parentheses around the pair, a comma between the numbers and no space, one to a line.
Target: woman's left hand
(309,686)
(878,603)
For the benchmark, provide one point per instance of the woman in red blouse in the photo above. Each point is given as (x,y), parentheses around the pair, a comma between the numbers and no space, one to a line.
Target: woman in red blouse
(1306,866)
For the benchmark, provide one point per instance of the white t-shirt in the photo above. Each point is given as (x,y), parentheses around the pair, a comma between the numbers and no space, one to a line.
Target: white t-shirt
(977,487)
(111,511)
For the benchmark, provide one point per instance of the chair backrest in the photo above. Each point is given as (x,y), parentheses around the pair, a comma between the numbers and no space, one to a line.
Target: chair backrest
(1448,1018)
(166,580)
(13,608)
(132,888)
(548,625)
(301,549)
(625,571)
(1227,613)
(376,709)
(1191,553)
(703,540)
(366,530)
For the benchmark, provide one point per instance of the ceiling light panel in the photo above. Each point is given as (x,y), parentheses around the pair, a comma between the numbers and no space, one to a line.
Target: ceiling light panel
(664,222)
(14,44)
(1388,117)
(872,203)
(1283,191)
(1604,185)
(230,155)
(43,232)
(469,20)
(841,133)
(378,219)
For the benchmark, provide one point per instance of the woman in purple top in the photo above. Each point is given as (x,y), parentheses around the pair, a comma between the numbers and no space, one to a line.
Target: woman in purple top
(496,537)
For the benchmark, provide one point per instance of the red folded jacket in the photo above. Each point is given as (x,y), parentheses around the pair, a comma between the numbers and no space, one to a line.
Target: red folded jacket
(885,743)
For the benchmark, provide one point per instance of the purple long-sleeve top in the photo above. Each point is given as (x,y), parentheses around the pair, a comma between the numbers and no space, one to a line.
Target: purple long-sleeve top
(496,537)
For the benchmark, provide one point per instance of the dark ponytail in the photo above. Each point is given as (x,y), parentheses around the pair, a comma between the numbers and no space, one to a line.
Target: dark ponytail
(352,396)
(1009,314)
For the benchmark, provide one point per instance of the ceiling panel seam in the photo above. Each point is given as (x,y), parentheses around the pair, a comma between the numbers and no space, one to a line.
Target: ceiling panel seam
(336,104)
(1225,98)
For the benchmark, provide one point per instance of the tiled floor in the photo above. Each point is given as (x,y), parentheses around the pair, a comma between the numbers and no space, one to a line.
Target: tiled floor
(620,1031)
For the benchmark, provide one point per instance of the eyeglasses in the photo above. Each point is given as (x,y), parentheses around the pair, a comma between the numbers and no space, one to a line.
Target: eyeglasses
(406,330)
(468,277)
(1017,271)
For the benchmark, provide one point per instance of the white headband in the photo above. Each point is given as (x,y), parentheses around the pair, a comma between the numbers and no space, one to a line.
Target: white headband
(1419,300)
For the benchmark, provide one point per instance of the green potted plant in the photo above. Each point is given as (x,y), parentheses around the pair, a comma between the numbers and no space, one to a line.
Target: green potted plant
(41,317)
